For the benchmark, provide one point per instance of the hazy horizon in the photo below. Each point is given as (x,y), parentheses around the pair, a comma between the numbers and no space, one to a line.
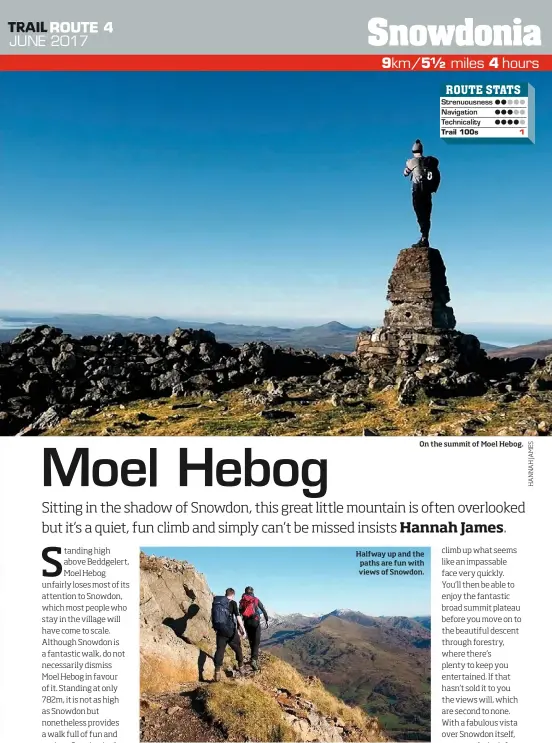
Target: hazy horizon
(498,334)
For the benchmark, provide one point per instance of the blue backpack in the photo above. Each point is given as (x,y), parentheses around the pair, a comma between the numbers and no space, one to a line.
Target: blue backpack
(221,616)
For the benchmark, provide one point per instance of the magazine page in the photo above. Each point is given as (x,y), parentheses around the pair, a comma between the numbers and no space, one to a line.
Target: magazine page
(275,371)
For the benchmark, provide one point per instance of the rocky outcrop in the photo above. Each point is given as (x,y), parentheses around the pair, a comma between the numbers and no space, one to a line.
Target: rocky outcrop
(309,724)
(540,377)
(44,370)
(176,637)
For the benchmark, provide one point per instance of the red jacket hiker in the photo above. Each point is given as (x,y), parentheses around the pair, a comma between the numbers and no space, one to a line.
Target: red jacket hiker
(248,606)
(250,610)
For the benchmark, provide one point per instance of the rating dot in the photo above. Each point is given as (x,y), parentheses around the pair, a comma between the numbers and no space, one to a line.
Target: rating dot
(510,122)
(503,111)
(516,121)
(503,121)
(510,103)
(497,102)
(497,111)
(522,121)
(522,101)
(510,112)
(516,101)
(504,101)
(497,121)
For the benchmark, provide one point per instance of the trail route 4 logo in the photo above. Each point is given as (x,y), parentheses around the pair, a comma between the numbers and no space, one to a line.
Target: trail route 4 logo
(55,33)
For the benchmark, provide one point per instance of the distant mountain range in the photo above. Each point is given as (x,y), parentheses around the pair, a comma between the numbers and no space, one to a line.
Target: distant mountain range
(379,663)
(331,337)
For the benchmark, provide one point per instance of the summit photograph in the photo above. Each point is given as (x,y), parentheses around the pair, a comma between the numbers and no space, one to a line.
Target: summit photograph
(270,254)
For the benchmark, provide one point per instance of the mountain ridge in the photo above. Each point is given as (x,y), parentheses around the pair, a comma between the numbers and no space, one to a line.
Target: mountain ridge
(335,612)
(380,663)
(538,350)
(329,337)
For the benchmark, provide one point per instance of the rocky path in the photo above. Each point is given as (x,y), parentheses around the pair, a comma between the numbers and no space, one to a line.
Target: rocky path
(179,716)
(175,717)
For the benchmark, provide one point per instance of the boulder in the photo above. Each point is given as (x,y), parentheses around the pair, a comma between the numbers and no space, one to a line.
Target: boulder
(48,419)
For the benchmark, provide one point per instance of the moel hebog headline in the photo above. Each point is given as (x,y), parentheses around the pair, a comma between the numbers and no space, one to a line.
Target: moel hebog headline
(197,470)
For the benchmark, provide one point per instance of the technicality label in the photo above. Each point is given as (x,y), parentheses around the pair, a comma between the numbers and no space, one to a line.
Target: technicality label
(488,112)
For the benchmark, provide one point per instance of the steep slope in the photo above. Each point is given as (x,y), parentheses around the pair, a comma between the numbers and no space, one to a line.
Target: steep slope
(379,663)
(424,621)
(180,702)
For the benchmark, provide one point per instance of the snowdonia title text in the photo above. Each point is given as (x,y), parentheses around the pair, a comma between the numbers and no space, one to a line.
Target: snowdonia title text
(467,34)
(311,475)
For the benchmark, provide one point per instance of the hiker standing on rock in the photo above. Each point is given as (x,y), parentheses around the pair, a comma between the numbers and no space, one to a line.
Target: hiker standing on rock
(425,177)
(251,609)
(228,625)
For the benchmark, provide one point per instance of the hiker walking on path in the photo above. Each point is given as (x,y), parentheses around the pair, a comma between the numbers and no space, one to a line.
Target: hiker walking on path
(228,625)
(425,177)
(251,609)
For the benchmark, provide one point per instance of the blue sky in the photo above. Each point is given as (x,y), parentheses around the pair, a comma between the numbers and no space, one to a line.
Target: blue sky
(260,197)
(308,580)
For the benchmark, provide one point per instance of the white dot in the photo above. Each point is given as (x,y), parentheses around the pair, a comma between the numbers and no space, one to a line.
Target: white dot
(522,121)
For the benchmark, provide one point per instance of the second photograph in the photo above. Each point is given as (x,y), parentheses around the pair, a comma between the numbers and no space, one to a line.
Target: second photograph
(285,644)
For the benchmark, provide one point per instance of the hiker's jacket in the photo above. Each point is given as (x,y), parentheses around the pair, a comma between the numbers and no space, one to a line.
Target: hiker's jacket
(413,170)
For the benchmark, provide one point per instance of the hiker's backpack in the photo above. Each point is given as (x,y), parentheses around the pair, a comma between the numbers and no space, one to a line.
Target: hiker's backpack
(249,606)
(430,174)
(221,616)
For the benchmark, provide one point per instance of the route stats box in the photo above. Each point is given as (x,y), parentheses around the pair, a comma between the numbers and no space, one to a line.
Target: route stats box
(489,112)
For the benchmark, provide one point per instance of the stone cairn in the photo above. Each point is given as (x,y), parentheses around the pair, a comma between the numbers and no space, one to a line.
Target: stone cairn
(418,342)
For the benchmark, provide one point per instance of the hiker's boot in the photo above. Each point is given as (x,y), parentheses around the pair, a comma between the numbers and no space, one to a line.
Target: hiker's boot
(255,665)
(217,674)
(423,242)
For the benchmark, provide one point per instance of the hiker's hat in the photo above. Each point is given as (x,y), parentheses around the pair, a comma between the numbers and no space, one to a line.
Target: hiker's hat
(417,146)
